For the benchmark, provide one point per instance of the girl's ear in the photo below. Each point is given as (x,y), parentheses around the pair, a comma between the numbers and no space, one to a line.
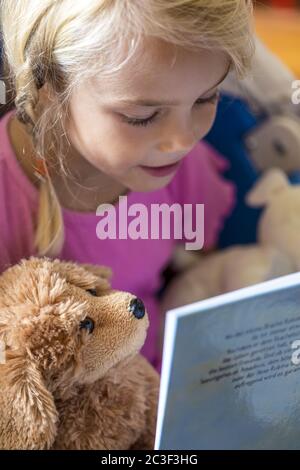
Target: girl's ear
(270,184)
(28,415)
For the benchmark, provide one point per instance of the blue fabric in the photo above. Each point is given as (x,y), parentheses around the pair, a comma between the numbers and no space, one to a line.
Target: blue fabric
(233,120)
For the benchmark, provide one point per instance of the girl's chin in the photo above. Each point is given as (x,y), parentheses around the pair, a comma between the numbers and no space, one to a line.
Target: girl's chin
(141,181)
(152,184)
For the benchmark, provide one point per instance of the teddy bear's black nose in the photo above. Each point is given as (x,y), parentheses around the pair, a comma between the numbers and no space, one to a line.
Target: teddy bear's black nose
(137,308)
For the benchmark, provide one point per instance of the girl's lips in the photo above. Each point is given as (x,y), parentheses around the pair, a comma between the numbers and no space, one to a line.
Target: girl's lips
(161,170)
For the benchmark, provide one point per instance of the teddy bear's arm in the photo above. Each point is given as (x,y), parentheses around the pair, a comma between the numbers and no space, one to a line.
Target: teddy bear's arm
(151,390)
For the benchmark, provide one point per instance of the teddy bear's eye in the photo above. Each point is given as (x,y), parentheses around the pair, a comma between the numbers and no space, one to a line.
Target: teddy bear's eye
(87,324)
(92,292)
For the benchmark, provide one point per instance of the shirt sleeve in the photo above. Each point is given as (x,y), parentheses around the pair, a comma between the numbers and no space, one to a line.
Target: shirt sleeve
(16,219)
(201,181)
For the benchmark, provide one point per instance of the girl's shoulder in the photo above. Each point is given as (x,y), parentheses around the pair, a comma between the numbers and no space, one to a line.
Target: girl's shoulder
(18,203)
(12,175)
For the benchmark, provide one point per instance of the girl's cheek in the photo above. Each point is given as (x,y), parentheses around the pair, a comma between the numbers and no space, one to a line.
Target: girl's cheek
(135,141)
(206,121)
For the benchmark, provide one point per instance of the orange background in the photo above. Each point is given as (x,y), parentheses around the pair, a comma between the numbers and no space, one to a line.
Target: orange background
(280,31)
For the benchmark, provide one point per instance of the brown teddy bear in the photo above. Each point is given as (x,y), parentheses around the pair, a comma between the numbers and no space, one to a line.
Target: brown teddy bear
(70,375)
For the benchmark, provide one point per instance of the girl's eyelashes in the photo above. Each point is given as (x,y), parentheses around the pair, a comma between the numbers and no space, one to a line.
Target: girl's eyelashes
(140,122)
(145,122)
(211,99)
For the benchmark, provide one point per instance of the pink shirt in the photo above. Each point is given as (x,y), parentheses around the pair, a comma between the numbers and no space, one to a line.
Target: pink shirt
(137,264)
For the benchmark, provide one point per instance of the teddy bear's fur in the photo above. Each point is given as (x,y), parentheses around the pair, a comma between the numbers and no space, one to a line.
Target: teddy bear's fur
(64,386)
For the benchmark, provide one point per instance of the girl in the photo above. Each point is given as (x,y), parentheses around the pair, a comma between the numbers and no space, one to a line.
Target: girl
(113,98)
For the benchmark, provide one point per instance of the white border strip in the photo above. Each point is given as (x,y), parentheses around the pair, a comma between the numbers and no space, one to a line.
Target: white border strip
(169,341)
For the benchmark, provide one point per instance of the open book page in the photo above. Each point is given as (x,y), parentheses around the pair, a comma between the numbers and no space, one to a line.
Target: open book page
(231,371)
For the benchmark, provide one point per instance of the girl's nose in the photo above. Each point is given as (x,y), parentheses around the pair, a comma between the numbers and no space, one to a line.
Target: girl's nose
(181,142)
(179,146)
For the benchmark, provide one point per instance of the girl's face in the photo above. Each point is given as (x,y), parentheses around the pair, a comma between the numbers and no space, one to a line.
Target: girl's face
(151,114)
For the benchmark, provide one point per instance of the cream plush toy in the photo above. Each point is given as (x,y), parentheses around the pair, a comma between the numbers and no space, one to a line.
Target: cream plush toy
(276,253)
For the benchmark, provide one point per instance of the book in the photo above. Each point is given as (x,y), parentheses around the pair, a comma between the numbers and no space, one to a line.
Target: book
(231,371)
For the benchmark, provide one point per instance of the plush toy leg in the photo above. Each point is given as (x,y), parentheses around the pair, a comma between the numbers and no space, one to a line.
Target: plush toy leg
(231,269)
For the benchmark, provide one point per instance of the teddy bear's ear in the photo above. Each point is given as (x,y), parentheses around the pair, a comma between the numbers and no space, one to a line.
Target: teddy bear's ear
(103,272)
(270,184)
(83,275)
(28,413)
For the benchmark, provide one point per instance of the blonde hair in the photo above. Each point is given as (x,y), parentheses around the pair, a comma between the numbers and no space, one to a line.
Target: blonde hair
(55,42)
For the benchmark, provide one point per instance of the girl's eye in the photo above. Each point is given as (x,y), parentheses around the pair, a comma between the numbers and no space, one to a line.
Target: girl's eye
(211,99)
(145,122)
(87,324)
(141,122)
